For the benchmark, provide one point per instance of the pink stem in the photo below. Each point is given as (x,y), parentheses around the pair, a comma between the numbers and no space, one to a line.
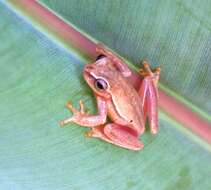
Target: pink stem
(185,116)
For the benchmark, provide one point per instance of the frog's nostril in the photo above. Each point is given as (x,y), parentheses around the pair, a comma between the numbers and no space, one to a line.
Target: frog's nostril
(88,68)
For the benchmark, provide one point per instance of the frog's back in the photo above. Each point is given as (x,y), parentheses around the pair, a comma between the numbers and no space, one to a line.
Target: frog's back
(127,101)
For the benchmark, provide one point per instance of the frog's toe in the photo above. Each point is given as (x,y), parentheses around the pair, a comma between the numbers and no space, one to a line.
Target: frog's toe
(62,123)
(89,134)
(65,121)
(82,107)
(71,108)
(146,64)
(147,71)
(157,73)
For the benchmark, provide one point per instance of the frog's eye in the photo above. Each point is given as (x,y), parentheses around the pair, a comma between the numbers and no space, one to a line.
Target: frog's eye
(100,57)
(101,84)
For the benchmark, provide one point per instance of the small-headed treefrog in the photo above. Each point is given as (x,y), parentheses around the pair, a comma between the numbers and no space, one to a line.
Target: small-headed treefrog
(127,106)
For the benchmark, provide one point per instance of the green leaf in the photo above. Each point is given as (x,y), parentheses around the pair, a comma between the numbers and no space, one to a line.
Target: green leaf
(37,78)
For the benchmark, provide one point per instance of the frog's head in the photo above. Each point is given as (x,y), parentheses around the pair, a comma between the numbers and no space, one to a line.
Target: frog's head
(99,74)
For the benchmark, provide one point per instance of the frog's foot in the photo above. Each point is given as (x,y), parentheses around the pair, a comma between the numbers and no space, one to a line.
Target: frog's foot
(116,135)
(76,113)
(146,71)
(96,131)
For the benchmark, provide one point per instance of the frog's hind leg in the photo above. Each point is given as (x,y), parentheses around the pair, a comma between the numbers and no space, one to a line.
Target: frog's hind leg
(149,93)
(116,135)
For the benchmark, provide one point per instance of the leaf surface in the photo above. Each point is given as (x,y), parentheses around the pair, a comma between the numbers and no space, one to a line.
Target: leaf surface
(37,78)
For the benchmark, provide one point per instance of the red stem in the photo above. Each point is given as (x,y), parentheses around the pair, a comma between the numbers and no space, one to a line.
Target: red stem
(67,33)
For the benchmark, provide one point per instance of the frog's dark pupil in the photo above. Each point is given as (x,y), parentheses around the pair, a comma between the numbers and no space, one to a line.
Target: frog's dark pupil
(100,84)
(100,56)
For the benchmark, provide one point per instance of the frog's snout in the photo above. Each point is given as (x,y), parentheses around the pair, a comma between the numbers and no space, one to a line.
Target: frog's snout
(88,68)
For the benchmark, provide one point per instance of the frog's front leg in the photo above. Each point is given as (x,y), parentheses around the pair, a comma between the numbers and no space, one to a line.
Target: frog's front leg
(149,94)
(117,135)
(83,119)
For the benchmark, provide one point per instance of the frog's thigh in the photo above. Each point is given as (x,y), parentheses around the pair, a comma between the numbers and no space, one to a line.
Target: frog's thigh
(118,136)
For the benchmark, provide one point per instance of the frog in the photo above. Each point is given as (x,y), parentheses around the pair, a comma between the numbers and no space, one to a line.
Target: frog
(128,107)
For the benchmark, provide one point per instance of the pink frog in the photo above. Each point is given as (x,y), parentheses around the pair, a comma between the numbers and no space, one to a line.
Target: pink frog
(126,105)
